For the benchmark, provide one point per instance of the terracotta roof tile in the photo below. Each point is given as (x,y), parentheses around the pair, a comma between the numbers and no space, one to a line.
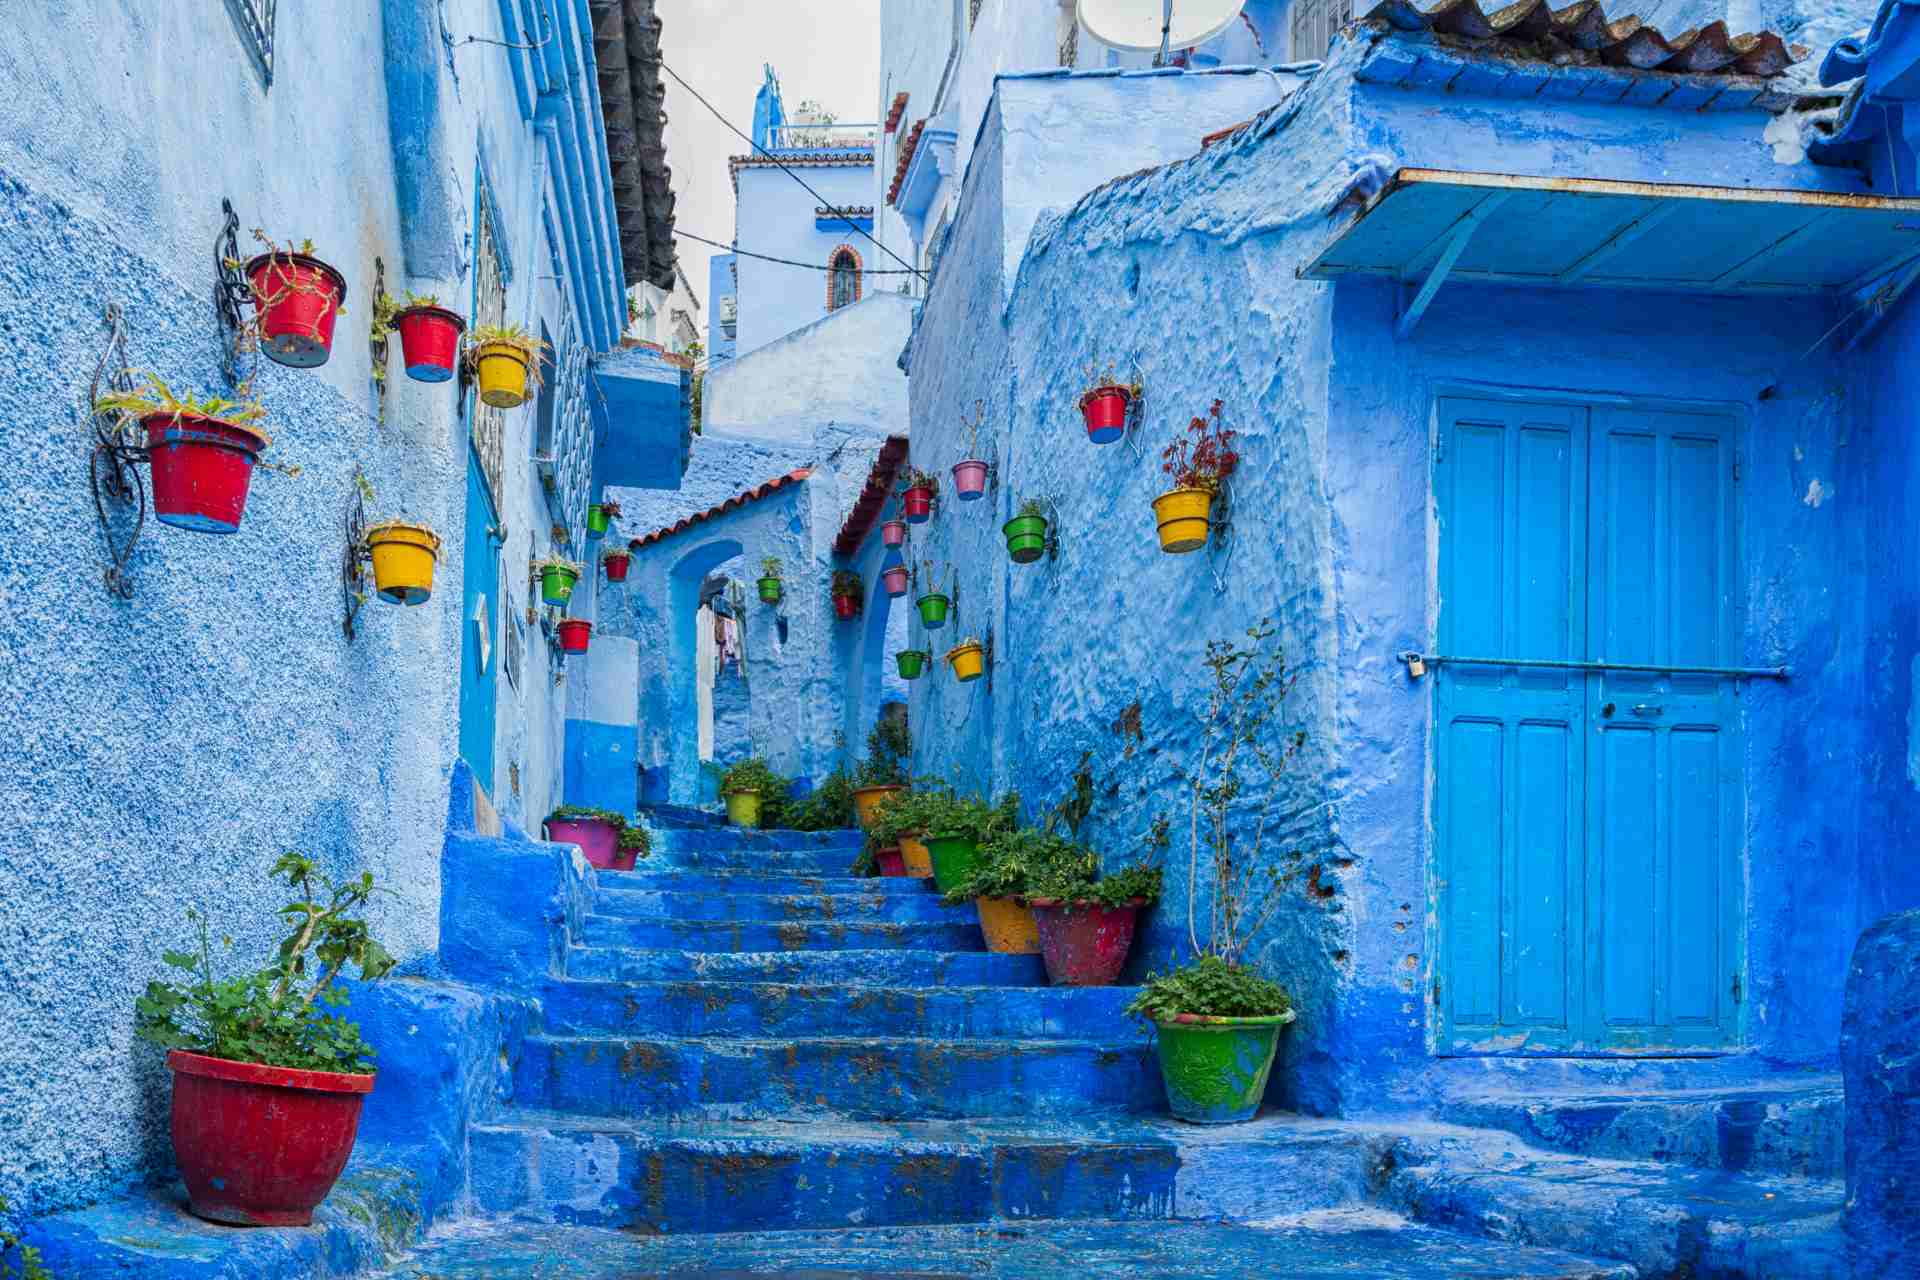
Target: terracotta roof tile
(906,158)
(1581,34)
(873,498)
(898,109)
(736,501)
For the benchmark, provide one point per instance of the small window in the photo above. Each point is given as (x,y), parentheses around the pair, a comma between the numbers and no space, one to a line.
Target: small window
(1315,22)
(489,425)
(255,20)
(843,279)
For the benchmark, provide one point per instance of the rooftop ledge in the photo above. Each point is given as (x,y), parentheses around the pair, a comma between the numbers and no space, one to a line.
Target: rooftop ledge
(1432,225)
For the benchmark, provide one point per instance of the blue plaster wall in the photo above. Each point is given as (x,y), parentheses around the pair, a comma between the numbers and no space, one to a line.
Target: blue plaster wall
(184,738)
(840,372)
(774,215)
(1878,1055)
(1190,268)
(721,345)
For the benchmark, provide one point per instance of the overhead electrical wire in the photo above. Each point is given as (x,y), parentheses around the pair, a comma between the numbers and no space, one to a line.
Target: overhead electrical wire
(791,262)
(784,169)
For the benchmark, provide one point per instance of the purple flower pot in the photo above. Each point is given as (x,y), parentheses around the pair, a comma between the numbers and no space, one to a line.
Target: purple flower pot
(969,479)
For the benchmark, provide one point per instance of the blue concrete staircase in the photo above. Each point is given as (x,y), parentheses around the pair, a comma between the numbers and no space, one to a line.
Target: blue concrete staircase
(754,1062)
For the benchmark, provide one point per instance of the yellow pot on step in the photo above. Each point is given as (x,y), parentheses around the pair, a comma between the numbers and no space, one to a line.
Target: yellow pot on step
(403,556)
(502,370)
(916,856)
(866,801)
(1008,925)
(1183,516)
(743,808)
(967,661)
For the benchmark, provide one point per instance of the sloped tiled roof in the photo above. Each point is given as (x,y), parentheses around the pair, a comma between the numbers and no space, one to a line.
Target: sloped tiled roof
(737,501)
(907,147)
(873,497)
(1582,33)
(837,158)
(626,51)
(898,109)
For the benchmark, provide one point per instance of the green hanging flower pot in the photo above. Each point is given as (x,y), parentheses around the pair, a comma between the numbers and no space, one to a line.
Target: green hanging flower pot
(933,611)
(770,590)
(912,663)
(1026,538)
(556,582)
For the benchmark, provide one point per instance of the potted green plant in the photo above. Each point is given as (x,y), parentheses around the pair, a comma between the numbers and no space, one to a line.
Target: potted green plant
(917,491)
(955,826)
(601,834)
(1002,877)
(934,603)
(1218,1022)
(600,517)
(770,584)
(1199,463)
(507,361)
(267,1081)
(746,787)
(557,575)
(884,772)
(1027,532)
(1087,920)
(848,591)
(634,843)
(202,452)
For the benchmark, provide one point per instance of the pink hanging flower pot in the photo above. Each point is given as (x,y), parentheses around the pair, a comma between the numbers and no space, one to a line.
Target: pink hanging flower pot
(894,580)
(969,479)
(894,533)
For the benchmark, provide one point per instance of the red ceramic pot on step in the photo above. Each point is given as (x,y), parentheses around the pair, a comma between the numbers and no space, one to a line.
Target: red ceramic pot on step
(1082,943)
(261,1146)
(892,861)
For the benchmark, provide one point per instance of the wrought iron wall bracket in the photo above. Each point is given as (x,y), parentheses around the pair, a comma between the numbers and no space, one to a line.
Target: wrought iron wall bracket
(355,557)
(116,453)
(232,298)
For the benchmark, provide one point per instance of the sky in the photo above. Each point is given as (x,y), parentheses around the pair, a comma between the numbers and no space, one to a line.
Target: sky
(828,50)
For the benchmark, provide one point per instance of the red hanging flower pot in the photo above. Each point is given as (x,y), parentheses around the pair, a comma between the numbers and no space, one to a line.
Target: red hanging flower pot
(894,580)
(894,533)
(261,1146)
(429,341)
(298,298)
(617,562)
(575,634)
(846,608)
(918,505)
(201,470)
(969,479)
(1105,409)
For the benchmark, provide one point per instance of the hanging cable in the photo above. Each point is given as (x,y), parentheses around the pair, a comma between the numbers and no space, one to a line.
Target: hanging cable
(790,262)
(784,169)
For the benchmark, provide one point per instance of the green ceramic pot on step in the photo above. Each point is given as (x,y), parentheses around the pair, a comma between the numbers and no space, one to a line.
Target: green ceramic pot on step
(1026,538)
(1216,1068)
(933,611)
(953,859)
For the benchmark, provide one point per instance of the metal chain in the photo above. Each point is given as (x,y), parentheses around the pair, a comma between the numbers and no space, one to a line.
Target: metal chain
(116,452)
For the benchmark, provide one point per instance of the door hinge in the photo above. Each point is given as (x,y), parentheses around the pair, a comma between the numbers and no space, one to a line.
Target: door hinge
(1736,988)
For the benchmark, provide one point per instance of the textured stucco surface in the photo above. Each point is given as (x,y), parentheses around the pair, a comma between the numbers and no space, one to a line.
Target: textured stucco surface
(838,370)
(774,216)
(1878,1053)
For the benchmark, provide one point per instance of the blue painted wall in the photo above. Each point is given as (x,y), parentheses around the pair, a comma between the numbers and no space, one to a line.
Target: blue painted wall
(1334,540)
(722,294)
(774,215)
(185,737)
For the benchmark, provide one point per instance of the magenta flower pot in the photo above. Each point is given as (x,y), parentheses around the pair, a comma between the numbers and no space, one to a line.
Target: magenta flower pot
(969,479)
(598,840)
(894,533)
(894,580)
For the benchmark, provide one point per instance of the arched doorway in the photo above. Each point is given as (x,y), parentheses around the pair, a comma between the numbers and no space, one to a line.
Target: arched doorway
(689,639)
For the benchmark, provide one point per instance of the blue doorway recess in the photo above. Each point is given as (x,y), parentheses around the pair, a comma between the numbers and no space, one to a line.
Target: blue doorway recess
(1588,819)
(479,607)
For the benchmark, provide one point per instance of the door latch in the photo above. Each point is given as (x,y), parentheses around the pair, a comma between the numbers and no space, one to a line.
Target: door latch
(1646,710)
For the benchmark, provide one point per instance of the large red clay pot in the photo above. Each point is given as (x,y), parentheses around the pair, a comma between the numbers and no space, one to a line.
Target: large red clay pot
(1084,944)
(201,470)
(892,861)
(598,839)
(261,1146)
(298,299)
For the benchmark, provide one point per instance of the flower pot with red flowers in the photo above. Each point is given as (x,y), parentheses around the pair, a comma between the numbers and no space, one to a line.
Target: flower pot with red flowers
(575,635)
(917,491)
(607,839)
(296,300)
(894,533)
(896,578)
(848,593)
(1087,925)
(771,588)
(1199,463)
(429,338)
(268,1080)
(506,361)
(616,561)
(600,518)
(203,453)
(1105,405)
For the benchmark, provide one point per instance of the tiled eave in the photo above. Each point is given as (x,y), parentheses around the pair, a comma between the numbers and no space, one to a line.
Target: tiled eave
(872,501)
(626,49)
(1582,34)
(861,158)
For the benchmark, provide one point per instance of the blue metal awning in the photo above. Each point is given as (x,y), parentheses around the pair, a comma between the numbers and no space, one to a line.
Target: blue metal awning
(1427,226)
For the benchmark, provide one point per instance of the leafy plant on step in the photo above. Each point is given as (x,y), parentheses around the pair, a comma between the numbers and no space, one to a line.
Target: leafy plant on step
(905,813)
(275,1016)
(868,862)
(889,751)
(755,776)
(829,807)
(1210,986)
(948,815)
(1011,862)
(1079,882)
(31,1268)
(585,813)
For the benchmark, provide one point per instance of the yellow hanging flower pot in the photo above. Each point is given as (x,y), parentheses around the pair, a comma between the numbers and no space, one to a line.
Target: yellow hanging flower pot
(967,659)
(506,362)
(1183,516)
(403,556)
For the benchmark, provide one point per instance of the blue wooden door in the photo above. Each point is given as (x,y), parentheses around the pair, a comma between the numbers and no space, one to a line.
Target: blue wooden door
(1586,822)
(479,659)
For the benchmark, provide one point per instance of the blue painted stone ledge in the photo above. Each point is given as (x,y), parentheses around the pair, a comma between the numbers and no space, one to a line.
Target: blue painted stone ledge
(1880,1062)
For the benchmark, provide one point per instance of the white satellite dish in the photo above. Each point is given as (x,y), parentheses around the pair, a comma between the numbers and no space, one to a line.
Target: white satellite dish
(1137,25)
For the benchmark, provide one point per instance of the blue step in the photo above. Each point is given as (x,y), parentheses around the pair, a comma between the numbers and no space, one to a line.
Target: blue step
(1795,1127)
(687,880)
(903,908)
(774,1175)
(1666,1220)
(783,935)
(873,1079)
(902,968)
(1335,1245)
(687,1009)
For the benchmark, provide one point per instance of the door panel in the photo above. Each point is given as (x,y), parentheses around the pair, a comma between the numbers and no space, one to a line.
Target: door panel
(479,662)
(1586,823)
